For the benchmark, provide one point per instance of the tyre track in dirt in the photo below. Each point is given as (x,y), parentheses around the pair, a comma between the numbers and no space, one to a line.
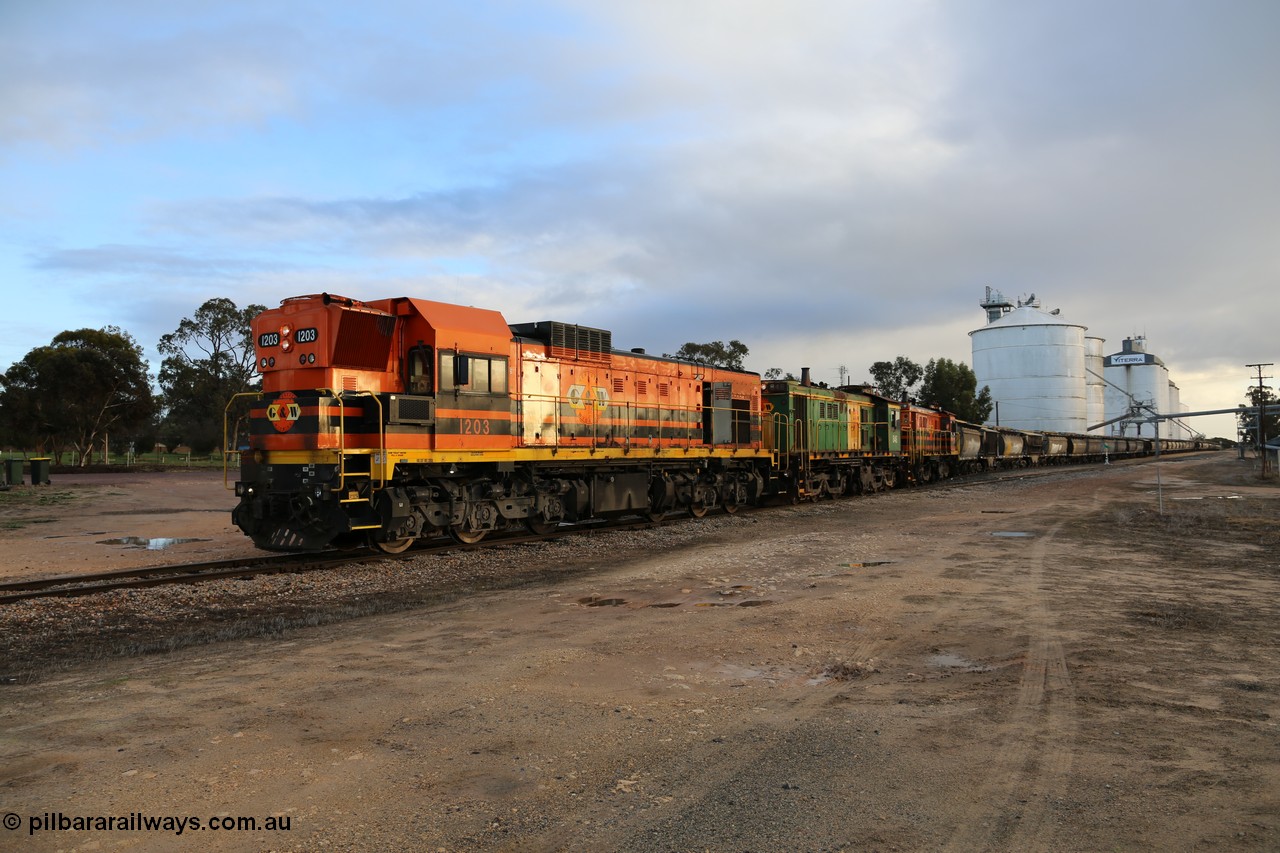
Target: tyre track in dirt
(1031,768)
(1034,753)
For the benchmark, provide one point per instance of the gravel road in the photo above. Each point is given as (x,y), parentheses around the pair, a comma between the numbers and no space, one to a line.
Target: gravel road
(1040,663)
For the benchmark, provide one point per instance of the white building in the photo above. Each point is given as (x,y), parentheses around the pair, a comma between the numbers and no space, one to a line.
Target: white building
(1034,363)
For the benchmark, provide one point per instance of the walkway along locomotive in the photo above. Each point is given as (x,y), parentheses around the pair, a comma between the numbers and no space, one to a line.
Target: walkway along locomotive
(385,421)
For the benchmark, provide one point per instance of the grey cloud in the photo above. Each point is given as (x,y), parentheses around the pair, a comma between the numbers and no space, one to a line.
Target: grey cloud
(146,262)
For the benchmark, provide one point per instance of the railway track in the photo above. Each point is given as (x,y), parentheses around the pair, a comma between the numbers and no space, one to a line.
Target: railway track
(66,586)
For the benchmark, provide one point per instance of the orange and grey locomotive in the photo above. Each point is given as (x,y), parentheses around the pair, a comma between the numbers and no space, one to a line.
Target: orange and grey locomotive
(381,422)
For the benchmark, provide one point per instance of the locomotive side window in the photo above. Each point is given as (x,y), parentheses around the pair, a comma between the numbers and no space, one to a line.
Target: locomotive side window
(498,375)
(473,373)
(420,378)
(479,375)
(448,378)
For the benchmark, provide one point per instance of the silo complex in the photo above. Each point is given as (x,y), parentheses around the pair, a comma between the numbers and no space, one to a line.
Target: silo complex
(1045,374)
(1033,362)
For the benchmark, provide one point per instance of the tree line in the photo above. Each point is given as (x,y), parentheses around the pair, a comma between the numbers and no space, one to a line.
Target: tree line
(940,383)
(88,387)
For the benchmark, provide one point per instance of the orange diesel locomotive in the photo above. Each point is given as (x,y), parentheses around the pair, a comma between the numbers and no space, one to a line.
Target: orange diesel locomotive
(380,422)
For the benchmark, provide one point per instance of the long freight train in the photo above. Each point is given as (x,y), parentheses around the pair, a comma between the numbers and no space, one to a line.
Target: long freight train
(386,421)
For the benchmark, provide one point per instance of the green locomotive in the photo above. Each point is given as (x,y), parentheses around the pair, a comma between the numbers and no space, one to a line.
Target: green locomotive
(832,441)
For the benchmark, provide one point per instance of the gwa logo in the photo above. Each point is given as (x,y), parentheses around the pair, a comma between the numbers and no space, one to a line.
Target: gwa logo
(588,396)
(587,400)
(284,412)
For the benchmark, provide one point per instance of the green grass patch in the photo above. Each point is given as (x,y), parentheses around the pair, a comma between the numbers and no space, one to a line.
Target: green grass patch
(21,497)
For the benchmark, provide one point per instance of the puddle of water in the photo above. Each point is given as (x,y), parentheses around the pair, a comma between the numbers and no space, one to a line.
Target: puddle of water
(948,660)
(592,601)
(158,544)
(737,672)
(1012,534)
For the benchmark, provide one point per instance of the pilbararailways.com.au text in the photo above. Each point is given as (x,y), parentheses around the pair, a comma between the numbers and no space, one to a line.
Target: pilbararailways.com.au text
(141,822)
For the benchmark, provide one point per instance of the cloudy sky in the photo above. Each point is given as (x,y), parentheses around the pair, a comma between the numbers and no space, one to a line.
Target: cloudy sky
(832,182)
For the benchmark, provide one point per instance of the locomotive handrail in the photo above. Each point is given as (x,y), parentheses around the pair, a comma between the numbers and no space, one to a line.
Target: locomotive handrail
(226,456)
(782,429)
(342,437)
(679,424)
(800,433)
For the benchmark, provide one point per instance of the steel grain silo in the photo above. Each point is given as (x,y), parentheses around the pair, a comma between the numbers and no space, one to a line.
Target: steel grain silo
(1094,384)
(1034,363)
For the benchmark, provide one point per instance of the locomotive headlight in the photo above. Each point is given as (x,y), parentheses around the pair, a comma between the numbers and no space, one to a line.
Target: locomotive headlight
(285,343)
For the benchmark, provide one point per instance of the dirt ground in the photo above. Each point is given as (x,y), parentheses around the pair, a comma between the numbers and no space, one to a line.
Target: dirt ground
(1042,663)
(85,522)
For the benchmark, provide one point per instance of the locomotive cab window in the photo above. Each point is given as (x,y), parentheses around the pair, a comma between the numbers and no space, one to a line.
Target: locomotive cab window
(474,374)
(420,380)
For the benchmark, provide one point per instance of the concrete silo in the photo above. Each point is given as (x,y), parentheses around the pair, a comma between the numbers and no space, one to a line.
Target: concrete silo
(1136,376)
(1034,363)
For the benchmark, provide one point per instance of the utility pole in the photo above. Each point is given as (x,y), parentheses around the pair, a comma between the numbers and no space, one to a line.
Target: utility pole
(1262,436)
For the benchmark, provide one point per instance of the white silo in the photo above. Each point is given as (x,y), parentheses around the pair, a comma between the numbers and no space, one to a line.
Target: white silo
(1033,362)
(1094,385)
(1175,408)
(1136,376)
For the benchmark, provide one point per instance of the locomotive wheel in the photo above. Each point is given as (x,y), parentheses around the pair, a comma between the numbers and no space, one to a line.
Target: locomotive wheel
(395,546)
(697,510)
(731,508)
(538,527)
(466,537)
